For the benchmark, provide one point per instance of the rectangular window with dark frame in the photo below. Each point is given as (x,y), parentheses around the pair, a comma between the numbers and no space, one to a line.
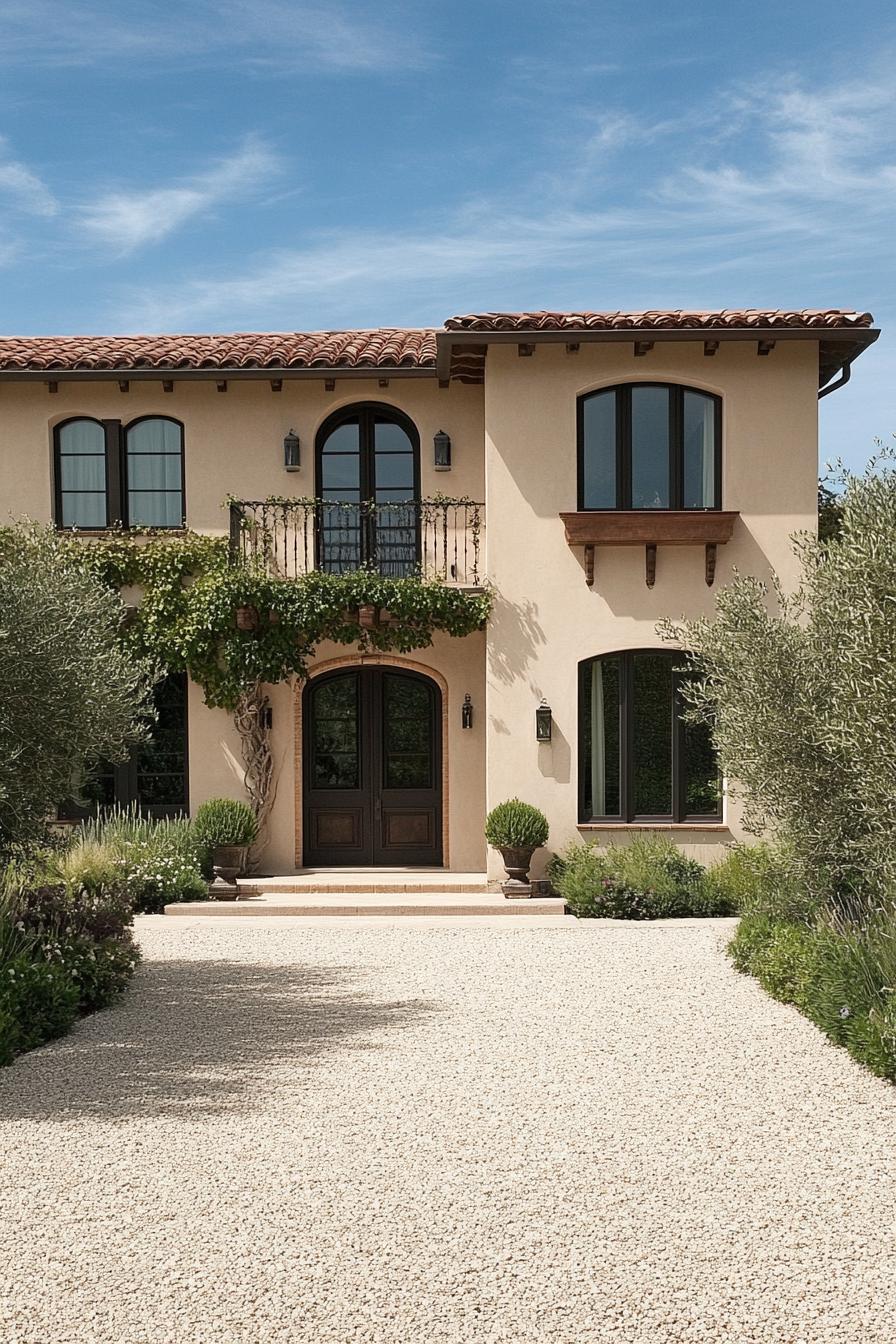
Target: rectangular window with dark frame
(154,779)
(640,759)
(650,446)
(109,474)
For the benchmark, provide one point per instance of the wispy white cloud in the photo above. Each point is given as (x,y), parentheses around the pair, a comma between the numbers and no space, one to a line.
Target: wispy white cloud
(740,218)
(284,35)
(809,153)
(127,219)
(22,187)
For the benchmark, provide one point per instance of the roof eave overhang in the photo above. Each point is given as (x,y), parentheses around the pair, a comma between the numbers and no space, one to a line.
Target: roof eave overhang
(840,345)
(123,373)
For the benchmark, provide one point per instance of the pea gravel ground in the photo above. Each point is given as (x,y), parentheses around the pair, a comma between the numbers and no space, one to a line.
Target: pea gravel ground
(368,1130)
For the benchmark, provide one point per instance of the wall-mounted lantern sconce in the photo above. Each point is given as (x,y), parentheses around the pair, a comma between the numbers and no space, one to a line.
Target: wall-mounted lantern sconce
(466,713)
(442,449)
(543,722)
(292,460)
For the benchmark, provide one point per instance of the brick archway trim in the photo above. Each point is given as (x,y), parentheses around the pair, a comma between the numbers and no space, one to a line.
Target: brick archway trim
(370,660)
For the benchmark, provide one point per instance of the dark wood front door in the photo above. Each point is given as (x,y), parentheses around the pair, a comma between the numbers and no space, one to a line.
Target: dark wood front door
(372,770)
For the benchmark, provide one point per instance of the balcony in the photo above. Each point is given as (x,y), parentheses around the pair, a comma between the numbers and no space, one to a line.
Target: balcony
(436,539)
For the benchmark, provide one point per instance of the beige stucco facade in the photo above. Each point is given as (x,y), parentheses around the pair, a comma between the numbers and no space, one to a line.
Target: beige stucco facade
(513,446)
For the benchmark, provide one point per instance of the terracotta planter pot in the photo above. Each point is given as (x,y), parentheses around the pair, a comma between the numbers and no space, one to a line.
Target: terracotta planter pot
(367,617)
(247,618)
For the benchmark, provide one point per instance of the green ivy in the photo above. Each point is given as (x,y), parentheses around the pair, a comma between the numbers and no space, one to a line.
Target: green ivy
(190,593)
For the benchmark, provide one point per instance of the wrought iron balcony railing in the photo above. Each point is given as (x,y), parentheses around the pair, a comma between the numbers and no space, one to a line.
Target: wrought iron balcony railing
(437,538)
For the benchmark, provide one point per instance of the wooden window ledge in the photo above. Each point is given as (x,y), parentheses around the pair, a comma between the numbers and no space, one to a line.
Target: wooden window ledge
(649,528)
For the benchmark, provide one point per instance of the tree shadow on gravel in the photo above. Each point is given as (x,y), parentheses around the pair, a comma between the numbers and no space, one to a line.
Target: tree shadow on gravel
(192,1038)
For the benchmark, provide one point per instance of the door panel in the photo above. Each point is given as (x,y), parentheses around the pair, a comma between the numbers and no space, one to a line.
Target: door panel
(371,761)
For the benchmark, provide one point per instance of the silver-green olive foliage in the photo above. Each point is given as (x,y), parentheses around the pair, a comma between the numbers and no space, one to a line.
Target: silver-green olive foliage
(800,693)
(71,692)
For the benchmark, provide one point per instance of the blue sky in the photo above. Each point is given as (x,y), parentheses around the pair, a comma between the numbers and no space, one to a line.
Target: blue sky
(220,165)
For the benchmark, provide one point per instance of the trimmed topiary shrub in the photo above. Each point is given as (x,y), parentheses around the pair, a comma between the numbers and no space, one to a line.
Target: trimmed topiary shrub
(516,825)
(224,821)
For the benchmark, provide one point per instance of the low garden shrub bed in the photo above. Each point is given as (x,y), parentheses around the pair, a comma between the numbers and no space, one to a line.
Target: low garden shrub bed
(834,959)
(841,976)
(648,879)
(65,950)
(66,913)
(160,861)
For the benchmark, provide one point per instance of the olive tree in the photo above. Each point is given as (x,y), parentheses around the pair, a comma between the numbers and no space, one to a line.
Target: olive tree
(71,694)
(800,693)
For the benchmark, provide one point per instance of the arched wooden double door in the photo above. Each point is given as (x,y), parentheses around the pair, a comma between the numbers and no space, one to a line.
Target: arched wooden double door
(372,769)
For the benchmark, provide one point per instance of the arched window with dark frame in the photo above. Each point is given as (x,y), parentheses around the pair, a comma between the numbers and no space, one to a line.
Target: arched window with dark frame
(650,446)
(640,759)
(154,472)
(81,474)
(109,474)
(367,460)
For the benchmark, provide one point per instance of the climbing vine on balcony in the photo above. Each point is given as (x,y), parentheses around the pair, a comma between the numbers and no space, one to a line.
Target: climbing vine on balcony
(232,626)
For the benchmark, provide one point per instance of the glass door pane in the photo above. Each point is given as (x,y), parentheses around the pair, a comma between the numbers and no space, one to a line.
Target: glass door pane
(407,733)
(335,739)
(394,478)
(339,488)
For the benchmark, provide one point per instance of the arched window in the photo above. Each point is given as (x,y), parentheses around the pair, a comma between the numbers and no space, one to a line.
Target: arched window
(154,466)
(368,479)
(108,473)
(81,474)
(639,759)
(650,446)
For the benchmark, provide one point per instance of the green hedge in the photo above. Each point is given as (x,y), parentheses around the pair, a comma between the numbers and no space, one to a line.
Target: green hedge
(839,975)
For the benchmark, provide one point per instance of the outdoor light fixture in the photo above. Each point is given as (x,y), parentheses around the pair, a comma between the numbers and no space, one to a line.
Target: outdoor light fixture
(466,713)
(543,722)
(442,447)
(292,460)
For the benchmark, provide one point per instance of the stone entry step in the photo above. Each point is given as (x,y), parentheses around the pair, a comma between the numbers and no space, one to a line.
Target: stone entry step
(383,903)
(366,882)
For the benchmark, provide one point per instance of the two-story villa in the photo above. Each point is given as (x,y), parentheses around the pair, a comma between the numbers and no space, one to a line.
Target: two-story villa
(598,470)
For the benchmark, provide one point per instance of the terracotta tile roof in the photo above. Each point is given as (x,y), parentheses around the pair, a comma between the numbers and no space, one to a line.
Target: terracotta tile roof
(441,351)
(658,319)
(383,348)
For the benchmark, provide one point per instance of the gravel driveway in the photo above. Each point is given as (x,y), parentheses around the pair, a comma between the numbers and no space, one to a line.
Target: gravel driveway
(401,1131)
